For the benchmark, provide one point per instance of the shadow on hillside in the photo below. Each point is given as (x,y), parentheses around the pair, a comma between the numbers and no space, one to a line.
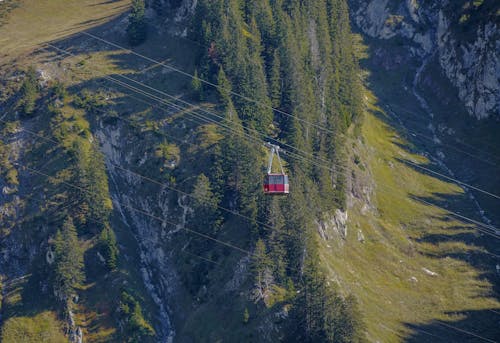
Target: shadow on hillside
(168,51)
(485,250)
(473,326)
(452,136)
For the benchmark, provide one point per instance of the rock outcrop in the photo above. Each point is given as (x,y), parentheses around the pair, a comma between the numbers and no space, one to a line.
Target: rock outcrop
(465,37)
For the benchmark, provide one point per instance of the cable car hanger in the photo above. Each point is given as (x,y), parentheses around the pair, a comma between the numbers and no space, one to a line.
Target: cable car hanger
(275,149)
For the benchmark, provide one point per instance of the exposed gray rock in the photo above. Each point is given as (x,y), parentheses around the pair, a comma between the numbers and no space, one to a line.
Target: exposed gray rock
(361,237)
(472,65)
(429,272)
(333,225)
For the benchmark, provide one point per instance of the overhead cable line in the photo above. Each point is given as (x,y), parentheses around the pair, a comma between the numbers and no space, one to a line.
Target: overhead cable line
(440,143)
(245,98)
(211,84)
(208,237)
(168,66)
(162,220)
(440,322)
(239,132)
(36,171)
(472,147)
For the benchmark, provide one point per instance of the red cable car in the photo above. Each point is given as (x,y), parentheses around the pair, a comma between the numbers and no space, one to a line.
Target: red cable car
(275,183)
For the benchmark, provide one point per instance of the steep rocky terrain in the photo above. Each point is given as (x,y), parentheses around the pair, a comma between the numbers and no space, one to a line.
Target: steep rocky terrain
(188,249)
(463,35)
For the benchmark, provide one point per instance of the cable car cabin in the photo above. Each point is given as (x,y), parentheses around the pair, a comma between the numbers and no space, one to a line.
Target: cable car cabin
(276,184)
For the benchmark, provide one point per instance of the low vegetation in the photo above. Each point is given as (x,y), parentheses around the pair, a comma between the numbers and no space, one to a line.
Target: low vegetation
(274,272)
(135,327)
(41,328)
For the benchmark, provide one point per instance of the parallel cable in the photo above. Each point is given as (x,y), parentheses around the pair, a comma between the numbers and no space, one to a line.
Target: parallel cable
(439,322)
(452,179)
(233,212)
(401,126)
(236,213)
(186,103)
(209,238)
(74,203)
(489,227)
(189,104)
(168,66)
(418,330)
(230,245)
(493,155)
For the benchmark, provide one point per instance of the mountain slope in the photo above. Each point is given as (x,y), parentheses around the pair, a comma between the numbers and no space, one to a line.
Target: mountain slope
(362,249)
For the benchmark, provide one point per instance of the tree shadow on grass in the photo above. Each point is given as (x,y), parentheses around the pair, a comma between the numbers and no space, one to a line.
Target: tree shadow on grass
(413,135)
(471,326)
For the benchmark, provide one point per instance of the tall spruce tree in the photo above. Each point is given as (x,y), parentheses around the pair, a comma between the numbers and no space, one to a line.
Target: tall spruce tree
(137,26)
(109,247)
(295,56)
(29,91)
(68,259)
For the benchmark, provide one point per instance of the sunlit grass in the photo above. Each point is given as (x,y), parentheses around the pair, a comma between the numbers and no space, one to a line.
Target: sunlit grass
(390,272)
(34,22)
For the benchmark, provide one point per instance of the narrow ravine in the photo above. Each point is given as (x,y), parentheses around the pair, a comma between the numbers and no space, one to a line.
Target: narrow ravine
(143,232)
(438,156)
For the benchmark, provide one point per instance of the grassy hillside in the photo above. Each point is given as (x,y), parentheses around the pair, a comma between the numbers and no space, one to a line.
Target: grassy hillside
(406,262)
(54,140)
(404,242)
(33,22)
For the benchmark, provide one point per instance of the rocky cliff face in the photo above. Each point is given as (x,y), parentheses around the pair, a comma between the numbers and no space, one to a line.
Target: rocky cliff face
(465,35)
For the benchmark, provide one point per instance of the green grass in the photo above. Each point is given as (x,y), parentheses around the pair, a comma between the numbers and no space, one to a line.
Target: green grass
(41,328)
(379,271)
(5,7)
(34,22)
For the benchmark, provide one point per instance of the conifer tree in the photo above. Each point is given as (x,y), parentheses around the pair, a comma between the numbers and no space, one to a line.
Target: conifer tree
(246,316)
(224,88)
(134,326)
(137,26)
(94,183)
(275,82)
(68,259)
(205,203)
(108,247)
(197,85)
(29,91)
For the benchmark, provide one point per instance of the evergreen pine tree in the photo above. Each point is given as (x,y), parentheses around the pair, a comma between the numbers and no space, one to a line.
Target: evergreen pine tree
(224,88)
(68,259)
(197,86)
(137,26)
(275,87)
(29,91)
(246,316)
(108,247)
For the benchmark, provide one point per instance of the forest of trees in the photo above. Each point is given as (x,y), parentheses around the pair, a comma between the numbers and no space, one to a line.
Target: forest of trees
(296,58)
(295,61)
(79,210)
